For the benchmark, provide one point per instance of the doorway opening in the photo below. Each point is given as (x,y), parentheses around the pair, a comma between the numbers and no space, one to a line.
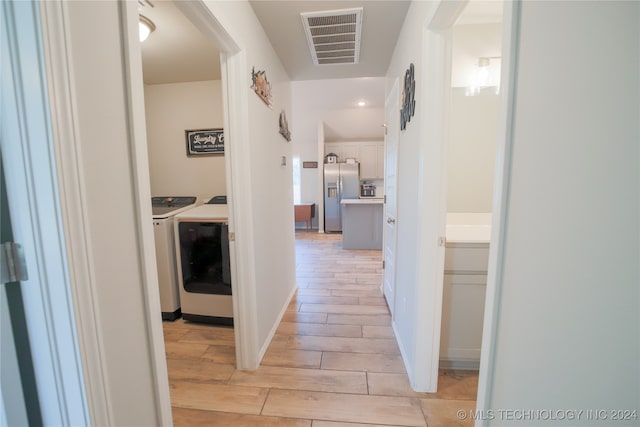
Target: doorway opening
(474,118)
(435,117)
(222,109)
(184,103)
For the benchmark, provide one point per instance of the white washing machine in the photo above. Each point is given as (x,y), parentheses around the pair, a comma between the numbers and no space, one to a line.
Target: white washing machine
(204,269)
(163,210)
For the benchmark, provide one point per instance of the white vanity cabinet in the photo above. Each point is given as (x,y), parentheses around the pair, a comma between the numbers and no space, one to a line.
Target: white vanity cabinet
(465,285)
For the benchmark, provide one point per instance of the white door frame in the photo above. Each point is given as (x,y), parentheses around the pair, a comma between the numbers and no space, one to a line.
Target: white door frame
(38,222)
(68,147)
(238,175)
(509,74)
(435,116)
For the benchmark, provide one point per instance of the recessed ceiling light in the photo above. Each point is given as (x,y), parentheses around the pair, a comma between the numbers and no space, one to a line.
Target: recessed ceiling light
(361,103)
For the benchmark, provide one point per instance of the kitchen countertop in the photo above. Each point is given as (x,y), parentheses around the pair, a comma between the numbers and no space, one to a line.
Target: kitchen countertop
(368,201)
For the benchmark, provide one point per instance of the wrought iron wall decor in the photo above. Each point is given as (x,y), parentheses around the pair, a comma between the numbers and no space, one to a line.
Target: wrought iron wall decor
(408,107)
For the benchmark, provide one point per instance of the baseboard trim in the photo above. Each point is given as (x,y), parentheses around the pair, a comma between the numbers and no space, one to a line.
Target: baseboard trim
(267,342)
(403,353)
(462,365)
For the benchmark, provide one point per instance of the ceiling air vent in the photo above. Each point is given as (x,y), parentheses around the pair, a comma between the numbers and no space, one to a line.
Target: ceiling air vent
(334,35)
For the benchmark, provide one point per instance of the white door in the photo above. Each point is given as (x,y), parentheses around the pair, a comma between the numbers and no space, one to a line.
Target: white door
(392,116)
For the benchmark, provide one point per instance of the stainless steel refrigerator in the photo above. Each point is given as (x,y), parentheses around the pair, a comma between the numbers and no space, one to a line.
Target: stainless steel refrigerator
(341,181)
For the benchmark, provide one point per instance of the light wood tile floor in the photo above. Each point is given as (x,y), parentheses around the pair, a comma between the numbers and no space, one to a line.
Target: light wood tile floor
(333,362)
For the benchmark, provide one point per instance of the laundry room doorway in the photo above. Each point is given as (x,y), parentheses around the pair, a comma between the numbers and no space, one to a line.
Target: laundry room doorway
(180,99)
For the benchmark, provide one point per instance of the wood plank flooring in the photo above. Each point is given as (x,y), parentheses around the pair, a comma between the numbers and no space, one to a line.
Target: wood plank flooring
(333,362)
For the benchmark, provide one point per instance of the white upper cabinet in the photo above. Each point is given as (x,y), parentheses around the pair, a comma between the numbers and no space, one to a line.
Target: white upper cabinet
(369,154)
(369,161)
(344,150)
(372,160)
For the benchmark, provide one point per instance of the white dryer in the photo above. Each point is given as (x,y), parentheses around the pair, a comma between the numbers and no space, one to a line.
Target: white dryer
(204,271)
(163,209)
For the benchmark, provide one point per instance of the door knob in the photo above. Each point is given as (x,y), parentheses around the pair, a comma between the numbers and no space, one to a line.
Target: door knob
(391,221)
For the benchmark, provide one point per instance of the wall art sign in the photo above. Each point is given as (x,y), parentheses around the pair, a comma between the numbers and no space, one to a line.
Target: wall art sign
(284,126)
(408,106)
(261,85)
(310,165)
(204,141)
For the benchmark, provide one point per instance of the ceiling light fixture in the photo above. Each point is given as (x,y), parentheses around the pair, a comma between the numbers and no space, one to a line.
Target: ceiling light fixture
(487,74)
(361,103)
(145,27)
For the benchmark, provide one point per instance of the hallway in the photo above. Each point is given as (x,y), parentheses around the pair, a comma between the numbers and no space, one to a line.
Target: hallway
(333,361)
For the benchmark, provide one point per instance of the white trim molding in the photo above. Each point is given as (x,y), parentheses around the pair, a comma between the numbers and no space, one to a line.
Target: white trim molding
(233,65)
(73,204)
(509,72)
(28,145)
(236,123)
(132,62)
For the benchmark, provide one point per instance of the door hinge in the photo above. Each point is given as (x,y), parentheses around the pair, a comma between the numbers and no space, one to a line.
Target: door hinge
(383,264)
(232,236)
(385,128)
(13,265)
(384,199)
(442,241)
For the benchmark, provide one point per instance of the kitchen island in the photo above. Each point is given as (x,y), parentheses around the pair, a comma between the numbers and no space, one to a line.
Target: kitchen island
(362,223)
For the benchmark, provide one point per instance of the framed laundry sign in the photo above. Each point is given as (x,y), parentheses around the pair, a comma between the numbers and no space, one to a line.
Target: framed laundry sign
(204,141)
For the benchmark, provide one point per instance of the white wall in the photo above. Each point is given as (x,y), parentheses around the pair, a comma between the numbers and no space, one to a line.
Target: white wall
(170,110)
(271,185)
(470,42)
(473,125)
(473,132)
(567,334)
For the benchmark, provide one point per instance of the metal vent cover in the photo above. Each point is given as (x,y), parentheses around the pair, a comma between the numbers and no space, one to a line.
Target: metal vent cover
(333,35)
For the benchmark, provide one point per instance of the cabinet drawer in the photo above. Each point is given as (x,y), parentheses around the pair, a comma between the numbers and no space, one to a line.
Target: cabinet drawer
(466,258)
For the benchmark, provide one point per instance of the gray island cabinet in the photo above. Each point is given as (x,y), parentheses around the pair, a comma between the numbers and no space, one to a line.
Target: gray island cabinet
(362,223)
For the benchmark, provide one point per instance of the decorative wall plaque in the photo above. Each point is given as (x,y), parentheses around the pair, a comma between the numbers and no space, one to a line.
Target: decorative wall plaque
(284,126)
(261,86)
(204,141)
(408,107)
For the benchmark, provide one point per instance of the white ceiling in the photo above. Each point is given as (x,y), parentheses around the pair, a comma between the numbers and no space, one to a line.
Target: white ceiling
(177,52)
(481,12)
(381,24)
